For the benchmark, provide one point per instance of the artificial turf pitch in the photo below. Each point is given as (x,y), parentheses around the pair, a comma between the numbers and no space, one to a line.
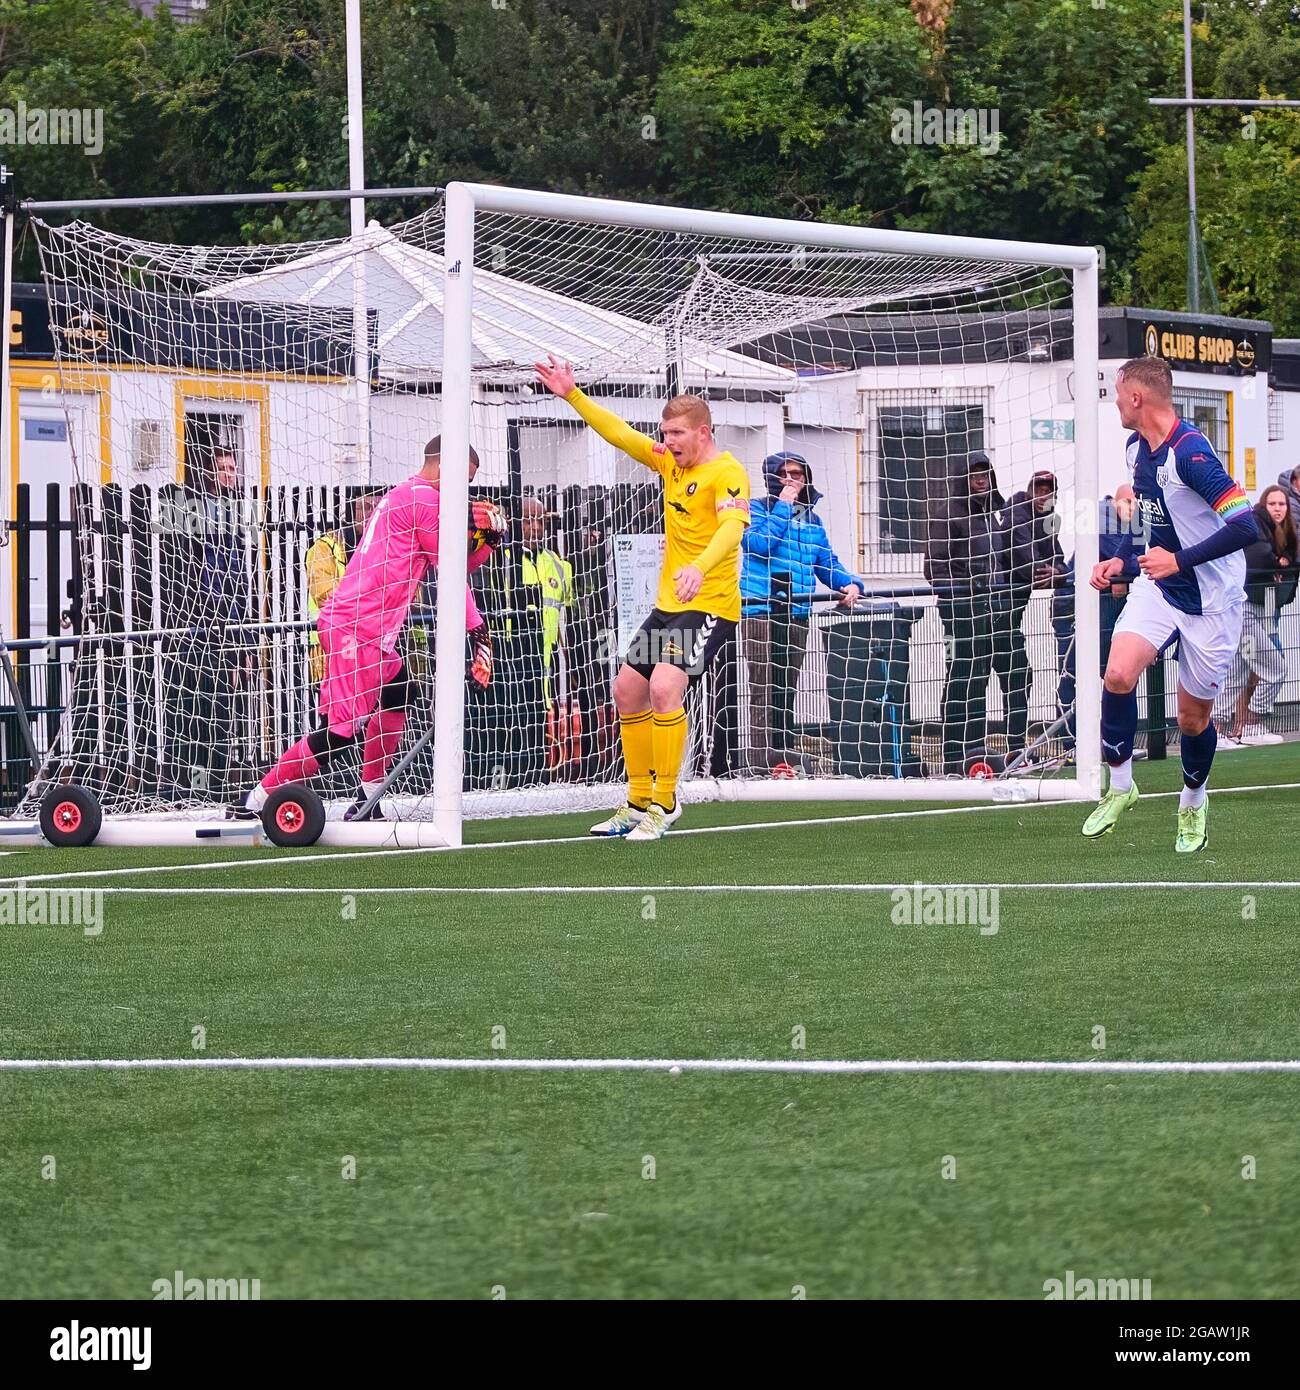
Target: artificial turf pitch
(645,1184)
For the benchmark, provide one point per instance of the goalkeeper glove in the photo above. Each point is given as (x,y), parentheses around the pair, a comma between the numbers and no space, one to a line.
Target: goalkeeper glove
(480,664)
(490,521)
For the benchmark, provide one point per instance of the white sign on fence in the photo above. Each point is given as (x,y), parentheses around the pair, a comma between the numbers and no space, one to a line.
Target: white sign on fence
(637,562)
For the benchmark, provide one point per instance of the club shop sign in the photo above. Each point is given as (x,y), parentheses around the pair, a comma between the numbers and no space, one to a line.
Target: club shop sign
(1201,348)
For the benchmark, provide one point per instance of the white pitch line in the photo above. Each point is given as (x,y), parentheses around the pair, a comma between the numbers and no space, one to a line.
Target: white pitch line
(564,1064)
(442,890)
(293,857)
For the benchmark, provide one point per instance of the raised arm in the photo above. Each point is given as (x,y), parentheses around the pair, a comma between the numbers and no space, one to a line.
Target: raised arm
(557,377)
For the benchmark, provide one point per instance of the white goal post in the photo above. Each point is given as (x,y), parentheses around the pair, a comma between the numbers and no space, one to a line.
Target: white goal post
(917,416)
(465,205)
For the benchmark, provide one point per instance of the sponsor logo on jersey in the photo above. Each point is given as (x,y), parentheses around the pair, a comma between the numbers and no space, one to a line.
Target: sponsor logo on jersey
(677,507)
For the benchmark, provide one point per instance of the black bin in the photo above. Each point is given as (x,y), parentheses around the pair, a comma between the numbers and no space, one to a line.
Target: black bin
(867,662)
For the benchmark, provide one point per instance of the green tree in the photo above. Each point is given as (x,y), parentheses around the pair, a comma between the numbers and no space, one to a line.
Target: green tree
(94,56)
(541,94)
(1247,171)
(784,108)
(791,109)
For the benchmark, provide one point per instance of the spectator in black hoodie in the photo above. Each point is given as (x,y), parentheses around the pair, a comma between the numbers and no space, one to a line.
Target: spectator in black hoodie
(1030,558)
(964,546)
(1259,669)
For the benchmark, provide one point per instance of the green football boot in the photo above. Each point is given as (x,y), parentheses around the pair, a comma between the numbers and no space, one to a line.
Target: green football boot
(1108,810)
(1191,829)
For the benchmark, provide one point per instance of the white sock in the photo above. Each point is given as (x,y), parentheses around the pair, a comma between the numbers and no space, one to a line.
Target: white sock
(1121,776)
(368,789)
(1190,798)
(256,799)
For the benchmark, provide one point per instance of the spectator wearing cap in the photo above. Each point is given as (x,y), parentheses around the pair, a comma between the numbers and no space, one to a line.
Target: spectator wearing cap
(1030,557)
(787,552)
(964,546)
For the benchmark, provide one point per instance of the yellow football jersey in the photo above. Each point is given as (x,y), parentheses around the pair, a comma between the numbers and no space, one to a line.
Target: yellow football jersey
(696,501)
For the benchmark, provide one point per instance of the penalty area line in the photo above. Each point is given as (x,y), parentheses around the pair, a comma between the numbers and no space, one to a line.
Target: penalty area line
(627,1064)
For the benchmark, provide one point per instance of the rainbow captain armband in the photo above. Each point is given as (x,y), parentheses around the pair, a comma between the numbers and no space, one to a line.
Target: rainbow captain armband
(732,503)
(1232,502)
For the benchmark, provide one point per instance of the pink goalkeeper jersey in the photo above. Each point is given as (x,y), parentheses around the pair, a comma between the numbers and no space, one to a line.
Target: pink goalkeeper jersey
(383,573)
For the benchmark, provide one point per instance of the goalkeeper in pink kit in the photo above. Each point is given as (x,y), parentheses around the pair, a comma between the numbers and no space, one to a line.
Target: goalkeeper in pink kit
(366,690)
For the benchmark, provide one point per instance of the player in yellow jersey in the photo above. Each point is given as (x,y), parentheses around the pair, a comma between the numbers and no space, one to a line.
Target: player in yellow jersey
(706,510)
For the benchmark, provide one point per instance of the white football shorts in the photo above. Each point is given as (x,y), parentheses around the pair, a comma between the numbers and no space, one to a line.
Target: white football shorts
(1207,642)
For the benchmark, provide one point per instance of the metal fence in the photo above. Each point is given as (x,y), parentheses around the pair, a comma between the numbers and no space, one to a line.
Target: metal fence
(129,667)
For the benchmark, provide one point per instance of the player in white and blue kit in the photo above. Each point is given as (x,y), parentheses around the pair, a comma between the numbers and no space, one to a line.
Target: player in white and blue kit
(1192,584)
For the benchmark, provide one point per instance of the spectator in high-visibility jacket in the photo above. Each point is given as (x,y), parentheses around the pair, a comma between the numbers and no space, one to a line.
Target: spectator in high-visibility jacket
(548,580)
(326,560)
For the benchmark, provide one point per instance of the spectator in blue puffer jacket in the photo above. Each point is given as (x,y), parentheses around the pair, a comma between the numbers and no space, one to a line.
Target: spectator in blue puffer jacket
(787,551)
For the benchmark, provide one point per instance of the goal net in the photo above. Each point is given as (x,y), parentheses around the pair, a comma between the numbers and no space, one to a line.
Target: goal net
(907,410)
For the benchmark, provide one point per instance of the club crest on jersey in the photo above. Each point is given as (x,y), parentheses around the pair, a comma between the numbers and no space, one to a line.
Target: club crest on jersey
(690,490)
(1162,477)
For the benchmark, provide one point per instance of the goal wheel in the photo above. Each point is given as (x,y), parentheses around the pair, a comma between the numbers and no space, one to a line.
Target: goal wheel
(984,767)
(70,816)
(293,816)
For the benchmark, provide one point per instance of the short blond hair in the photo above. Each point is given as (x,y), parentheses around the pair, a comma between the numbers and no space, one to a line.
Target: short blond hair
(1151,374)
(693,409)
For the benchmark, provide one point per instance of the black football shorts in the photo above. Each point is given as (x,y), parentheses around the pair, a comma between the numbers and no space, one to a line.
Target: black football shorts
(689,640)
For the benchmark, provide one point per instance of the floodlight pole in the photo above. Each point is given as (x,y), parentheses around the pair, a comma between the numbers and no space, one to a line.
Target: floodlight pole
(1193,257)
(357,211)
(8,206)
(1190,103)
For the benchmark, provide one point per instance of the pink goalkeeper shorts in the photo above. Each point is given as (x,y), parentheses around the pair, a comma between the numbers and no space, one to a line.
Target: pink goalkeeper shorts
(354,673)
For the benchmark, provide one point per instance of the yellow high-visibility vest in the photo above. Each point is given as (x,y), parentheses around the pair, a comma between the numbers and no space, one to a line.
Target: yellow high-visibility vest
(325,562)
(549,580)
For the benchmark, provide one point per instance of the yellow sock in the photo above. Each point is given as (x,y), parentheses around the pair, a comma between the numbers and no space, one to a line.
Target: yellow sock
(638,755)
(669,748)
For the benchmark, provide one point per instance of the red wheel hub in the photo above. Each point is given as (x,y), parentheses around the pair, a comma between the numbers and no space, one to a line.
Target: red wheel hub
(982,772)
(289,816)
(67,816)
